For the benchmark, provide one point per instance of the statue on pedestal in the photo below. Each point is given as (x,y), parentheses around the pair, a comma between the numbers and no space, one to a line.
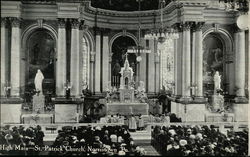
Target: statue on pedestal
(39,80)
(217,98)
(38,99)
(217,81)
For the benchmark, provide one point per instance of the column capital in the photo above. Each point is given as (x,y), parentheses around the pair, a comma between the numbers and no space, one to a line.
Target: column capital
(105,31)
(75,24)
(197,26)
(15,22)
(61,23)
(4,21)
(185,26)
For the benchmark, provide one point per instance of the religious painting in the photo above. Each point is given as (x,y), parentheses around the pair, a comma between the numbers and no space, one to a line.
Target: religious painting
(119,49)
(41,48)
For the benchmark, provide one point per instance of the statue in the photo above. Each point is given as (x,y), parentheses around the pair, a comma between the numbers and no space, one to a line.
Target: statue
(39,80)
(217,81)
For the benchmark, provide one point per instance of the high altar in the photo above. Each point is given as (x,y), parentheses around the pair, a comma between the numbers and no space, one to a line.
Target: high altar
(128,101)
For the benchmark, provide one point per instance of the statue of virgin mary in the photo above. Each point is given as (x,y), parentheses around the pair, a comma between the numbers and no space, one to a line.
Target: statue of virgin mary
(39,80)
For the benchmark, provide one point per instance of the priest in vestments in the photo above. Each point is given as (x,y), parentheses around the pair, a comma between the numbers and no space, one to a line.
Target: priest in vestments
(132,124)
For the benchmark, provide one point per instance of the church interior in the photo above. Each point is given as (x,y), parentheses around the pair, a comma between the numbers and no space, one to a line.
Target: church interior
(124,77)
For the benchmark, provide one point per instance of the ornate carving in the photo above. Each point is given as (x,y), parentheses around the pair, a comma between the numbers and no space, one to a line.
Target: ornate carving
(4,21)
(16,22)
(61,23)
(198,26)
(74,23)
(40,23)
(186,26)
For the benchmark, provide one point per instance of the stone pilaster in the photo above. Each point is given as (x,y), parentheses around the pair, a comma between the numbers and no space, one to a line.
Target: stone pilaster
(15,57)
(98,64)
(240,67)
(92,70)
(157,73)
(186,65)
(61,59)
(75,58)
(105,60)
(151,70)
(4,55)
(198,61)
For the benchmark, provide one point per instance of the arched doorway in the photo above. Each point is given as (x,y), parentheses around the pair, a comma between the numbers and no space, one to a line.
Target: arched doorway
(119,49)
(41,52)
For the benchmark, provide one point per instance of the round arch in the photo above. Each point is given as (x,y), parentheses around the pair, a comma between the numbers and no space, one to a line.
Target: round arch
(228,50)
(121,34)
(32,28)
(225,36)
(27,34)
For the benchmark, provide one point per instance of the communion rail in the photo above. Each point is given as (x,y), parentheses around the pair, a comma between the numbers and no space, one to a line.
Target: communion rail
(53,128)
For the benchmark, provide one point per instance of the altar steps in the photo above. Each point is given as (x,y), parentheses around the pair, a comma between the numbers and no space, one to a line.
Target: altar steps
(141,137)
(150,150)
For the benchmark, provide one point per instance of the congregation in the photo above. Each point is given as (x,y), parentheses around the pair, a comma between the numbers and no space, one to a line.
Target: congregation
(199,141)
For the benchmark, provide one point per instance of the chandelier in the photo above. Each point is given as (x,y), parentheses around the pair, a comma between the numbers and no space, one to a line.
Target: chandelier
(138,49)
(161,34)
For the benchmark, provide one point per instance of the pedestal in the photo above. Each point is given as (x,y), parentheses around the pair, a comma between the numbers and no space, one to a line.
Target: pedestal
(67,110)
(126,108)
(11,110)
(240,112)
(189,112)
(38,103)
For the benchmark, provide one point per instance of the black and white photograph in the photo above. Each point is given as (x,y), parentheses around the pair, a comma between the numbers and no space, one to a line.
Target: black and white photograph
(125,78)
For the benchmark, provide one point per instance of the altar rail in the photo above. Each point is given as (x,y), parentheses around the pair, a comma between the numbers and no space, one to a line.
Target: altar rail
(236,126)
(53,128)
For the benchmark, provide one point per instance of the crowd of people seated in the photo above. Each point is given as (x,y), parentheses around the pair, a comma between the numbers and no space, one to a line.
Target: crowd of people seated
(15,139)
(199,141)
(87,140)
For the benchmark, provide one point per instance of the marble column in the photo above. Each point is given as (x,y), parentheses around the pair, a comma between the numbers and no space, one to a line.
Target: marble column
(97,77)
(61,59)
(179,65)
(151,70)
(175,66)
(240,64)
(15,57)
(193,63)
(105,62)
(143,63)
(75,58)
(157,73)
(199,61)
(92,70)
(4,55)
(186,65)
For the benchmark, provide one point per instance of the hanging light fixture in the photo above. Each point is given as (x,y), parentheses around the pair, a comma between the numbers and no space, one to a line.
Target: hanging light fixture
(138,49)
(162,34)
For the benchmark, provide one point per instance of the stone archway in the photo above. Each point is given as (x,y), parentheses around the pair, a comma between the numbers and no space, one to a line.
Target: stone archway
(119,48)
(217,56)
(40,48)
